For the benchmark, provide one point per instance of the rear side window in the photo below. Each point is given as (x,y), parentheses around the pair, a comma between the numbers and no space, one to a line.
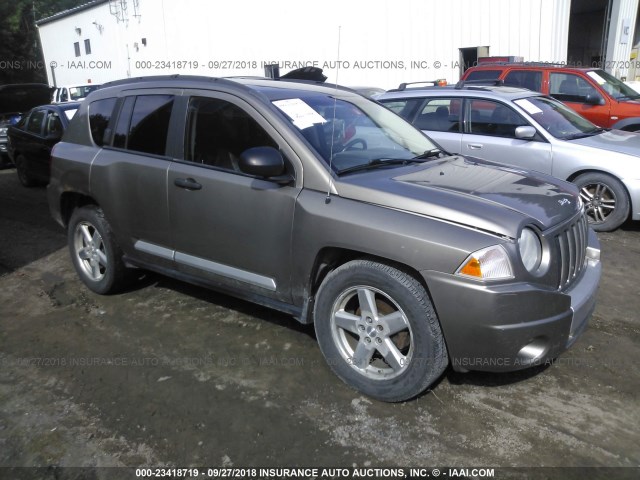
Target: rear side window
(150,124)
(530,80)
(440,115)
(53,125)
(36,121)
(484,75)
(100,113)
(407,108)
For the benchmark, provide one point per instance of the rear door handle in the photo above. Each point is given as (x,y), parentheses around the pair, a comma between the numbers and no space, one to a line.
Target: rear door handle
(188,183)
(474,146)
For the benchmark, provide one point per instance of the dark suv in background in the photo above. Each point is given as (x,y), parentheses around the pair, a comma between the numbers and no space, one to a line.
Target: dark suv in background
(323,204)
(593,93)
(15,100)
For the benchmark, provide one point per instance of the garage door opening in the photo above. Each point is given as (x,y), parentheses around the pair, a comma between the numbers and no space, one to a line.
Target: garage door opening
(469,57)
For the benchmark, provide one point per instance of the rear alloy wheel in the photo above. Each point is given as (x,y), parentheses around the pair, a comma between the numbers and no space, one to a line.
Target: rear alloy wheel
(606,201)
(378,331)
(96,256)
(23,175)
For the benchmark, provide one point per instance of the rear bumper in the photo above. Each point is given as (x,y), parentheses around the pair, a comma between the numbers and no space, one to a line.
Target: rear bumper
(512,326)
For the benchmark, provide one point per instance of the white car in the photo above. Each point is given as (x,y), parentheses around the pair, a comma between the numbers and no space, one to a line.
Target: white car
(73,93)
(530,130)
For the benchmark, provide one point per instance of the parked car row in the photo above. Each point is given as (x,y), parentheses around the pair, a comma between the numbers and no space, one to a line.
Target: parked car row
(33,137)
(529,130)
(592,92)
(26,136)
(15,100)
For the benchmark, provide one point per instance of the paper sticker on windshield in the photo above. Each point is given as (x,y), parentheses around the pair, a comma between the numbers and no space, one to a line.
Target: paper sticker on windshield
(597,78)
(301,114)
(530,108)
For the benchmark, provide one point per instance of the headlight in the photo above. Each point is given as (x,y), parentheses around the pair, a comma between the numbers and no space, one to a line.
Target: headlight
(491,263)
(530,249)
(3,130)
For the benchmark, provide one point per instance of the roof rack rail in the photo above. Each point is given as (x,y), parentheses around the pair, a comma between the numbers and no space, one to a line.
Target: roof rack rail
(526,64)
(484,82)
(440,82)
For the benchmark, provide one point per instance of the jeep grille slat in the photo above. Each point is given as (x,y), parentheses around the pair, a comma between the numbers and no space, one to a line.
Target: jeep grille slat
(571,245)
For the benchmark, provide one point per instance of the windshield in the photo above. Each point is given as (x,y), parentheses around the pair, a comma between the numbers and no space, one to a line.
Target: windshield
(557,119)
(352,131)
(613,86)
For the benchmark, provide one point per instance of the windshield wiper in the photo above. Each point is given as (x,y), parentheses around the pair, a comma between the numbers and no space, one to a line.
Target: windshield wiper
(434,152)
(379,162)
(590,133)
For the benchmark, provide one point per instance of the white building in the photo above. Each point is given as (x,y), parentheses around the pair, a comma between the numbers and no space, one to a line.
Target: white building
(373,42)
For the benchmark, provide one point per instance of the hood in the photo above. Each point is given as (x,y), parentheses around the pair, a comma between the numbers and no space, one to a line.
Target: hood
(614,140)
(468,191)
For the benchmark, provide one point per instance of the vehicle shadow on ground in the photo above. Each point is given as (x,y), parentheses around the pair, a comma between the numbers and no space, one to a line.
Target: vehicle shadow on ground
(630,226)
(494,379)
(245,307)
(28,231)
(483,379)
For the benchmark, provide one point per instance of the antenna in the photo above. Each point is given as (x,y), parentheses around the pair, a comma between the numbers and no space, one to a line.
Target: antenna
(333,123)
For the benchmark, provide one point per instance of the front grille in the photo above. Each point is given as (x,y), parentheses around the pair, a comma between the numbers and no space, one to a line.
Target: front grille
(572,245)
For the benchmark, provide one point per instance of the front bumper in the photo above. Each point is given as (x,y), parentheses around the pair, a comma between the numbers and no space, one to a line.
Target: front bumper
(508,327)
(633,187)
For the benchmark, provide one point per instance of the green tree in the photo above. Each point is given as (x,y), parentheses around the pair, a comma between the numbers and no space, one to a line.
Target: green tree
(21,57)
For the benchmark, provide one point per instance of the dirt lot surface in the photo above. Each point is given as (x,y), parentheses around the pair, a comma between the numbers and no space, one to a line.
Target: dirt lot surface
(170,374)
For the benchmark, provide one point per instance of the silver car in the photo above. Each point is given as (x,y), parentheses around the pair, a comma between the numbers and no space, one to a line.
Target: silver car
(527,129)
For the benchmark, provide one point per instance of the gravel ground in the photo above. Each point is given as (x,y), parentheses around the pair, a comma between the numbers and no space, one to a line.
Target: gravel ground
(171,374)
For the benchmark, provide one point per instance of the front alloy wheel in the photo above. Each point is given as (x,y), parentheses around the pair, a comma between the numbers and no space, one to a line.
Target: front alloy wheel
(606,201)
(372,332)
(378,331)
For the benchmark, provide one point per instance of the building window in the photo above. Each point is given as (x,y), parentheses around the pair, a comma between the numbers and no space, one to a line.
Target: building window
(87,46)
(76,47)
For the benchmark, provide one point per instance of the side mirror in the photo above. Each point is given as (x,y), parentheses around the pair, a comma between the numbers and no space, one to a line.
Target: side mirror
(593,99)
(265,162)
(525,133)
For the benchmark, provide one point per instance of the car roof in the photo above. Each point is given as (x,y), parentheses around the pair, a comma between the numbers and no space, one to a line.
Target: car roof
(482,91)
(58,106)
(530,66)
(273,89)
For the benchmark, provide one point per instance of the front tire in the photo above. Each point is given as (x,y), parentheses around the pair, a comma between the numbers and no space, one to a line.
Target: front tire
(96,256)
(378,331)
(606,200)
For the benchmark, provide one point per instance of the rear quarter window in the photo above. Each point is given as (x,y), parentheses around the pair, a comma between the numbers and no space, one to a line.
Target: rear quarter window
(100,113)
(528,79)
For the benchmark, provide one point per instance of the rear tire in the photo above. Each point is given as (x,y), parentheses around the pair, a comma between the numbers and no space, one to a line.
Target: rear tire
(606,200)
(23,175)
(378,331)
(95,254)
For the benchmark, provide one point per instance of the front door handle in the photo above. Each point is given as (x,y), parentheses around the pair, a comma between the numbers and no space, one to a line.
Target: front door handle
(474,146)
(188,183)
